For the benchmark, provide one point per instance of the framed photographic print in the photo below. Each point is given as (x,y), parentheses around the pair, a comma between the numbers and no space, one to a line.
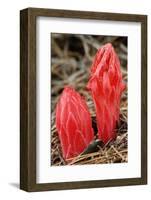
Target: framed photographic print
(83,99)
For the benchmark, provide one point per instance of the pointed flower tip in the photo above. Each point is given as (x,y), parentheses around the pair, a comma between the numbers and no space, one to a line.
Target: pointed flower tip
(108,45)
(105,47)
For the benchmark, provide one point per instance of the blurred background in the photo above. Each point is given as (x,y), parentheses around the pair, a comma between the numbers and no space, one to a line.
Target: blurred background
(71,58)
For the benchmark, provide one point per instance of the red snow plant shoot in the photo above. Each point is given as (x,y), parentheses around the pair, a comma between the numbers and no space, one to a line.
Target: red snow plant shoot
(106,86)
(73,123)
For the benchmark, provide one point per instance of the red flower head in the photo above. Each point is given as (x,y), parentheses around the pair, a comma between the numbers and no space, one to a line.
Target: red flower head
(73,123)
(106,86)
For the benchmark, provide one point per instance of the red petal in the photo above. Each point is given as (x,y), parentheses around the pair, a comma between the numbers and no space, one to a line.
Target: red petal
(73,123)
(106,86)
